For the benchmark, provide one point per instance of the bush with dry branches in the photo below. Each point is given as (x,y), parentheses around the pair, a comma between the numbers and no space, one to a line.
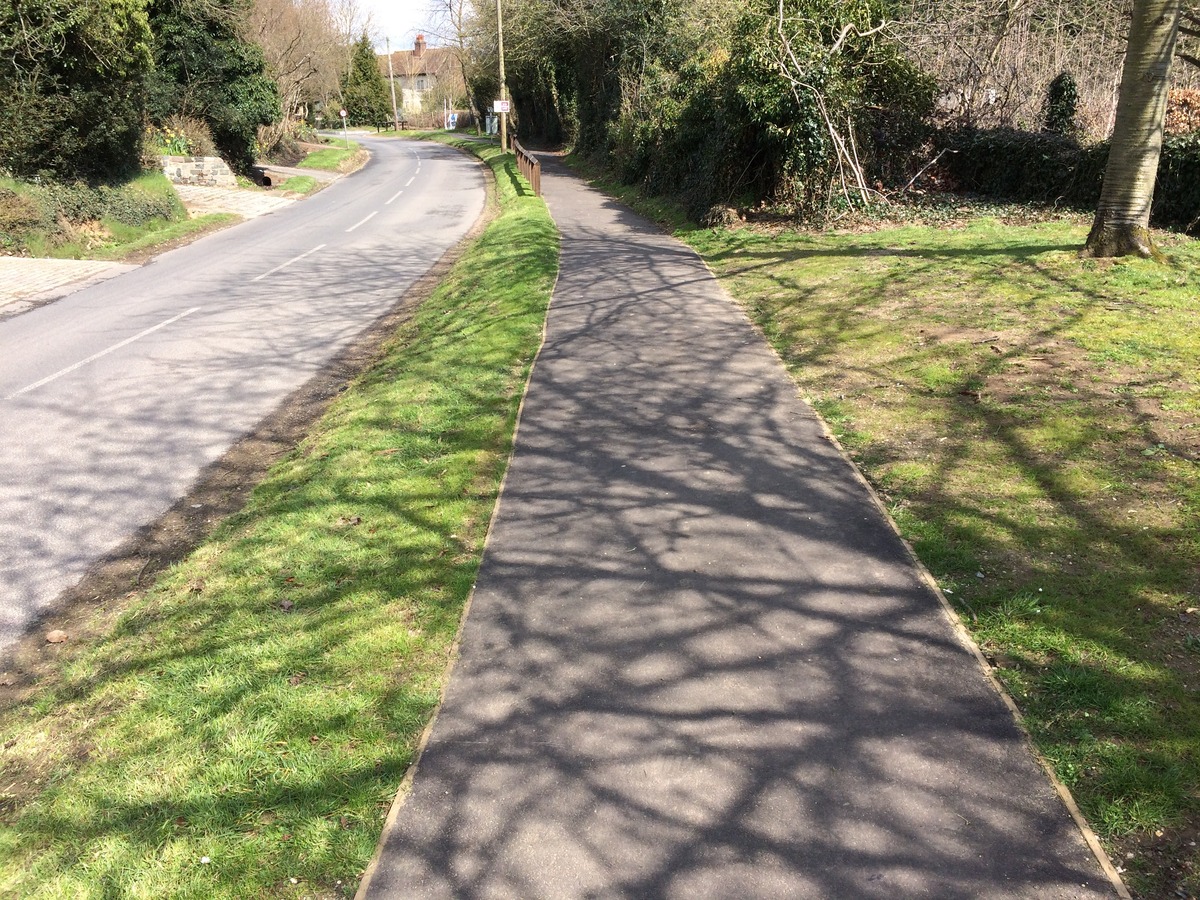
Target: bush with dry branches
(994,61)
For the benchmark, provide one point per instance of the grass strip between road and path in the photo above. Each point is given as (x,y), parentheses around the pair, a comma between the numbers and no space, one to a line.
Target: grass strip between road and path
(1031,420)
(242,730)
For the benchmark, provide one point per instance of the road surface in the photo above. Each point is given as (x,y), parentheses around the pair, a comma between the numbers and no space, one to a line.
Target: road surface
(113,400)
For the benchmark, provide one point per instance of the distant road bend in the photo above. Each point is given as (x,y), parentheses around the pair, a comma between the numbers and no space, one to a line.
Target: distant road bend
(115,398)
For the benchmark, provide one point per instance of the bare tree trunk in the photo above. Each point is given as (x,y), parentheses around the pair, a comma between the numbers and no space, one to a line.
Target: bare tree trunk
(1122,223)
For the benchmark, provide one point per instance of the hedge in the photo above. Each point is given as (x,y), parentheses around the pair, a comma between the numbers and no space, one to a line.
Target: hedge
(1048,168)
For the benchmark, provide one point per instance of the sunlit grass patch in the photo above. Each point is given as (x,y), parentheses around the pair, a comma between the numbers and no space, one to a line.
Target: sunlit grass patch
(300,184)
(1030,419)
(333,158)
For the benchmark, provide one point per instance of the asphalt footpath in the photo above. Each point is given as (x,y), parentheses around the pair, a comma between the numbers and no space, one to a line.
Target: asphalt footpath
(698,662)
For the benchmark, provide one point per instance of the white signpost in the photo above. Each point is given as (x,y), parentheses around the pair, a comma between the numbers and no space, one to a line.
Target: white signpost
(501,109)
(345,133)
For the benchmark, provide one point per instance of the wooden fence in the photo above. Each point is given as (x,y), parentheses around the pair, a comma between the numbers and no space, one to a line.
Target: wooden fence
(530,166)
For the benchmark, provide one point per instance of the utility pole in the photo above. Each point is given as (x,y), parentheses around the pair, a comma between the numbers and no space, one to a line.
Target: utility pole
(392,81)
(503,88)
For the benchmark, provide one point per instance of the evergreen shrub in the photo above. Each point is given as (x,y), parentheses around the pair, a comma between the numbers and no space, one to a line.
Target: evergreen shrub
(1062,104)
(718,123)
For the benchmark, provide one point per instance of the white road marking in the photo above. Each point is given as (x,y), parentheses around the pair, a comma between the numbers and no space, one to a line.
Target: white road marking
(91,359)
(396,196)
(411,180)
(363,222)
(289,262)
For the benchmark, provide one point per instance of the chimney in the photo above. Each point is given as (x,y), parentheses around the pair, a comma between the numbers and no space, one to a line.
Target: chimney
(419,46)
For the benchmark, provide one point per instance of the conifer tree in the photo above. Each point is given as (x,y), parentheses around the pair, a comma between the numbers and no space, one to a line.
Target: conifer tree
(365,92)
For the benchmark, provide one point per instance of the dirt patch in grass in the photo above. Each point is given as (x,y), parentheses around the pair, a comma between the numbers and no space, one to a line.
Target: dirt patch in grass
(1166,858)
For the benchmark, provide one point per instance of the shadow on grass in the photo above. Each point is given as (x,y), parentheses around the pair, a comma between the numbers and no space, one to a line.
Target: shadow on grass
(1028,458)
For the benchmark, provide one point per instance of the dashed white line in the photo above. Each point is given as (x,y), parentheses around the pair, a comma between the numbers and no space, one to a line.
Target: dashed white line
(395,196)
(289,262)
(363,222)
(95,356)
(410,181)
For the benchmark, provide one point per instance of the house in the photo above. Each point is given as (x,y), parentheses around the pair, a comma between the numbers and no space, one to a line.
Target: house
(425,77)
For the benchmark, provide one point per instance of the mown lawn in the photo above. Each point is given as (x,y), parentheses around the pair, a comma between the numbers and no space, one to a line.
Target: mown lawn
(1032,420)
(243,729)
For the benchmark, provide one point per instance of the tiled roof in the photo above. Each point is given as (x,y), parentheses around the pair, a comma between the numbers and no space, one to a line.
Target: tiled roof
(436,61)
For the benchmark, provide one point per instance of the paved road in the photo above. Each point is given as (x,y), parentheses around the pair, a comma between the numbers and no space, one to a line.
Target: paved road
(698,663)
(113,399)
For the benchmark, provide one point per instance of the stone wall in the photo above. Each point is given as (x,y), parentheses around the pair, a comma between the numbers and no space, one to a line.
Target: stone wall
(208,171)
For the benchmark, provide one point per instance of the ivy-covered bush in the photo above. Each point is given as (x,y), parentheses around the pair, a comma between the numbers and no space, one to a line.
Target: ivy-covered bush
(49,211)
(1017,165)
(1177,193)
(70,87)
(125,204)
(1062,104)
(715,111)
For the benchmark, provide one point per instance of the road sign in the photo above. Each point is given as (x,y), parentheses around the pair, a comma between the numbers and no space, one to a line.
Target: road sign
(342,114)
(501,106)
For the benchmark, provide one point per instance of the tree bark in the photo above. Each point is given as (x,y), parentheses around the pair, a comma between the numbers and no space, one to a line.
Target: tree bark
(1122,223)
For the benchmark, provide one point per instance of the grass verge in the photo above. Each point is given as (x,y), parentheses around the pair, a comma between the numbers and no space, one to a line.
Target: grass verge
(1032,422)
(300,184)
(340,156)
(243,728)
(78,221)
(137,246)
